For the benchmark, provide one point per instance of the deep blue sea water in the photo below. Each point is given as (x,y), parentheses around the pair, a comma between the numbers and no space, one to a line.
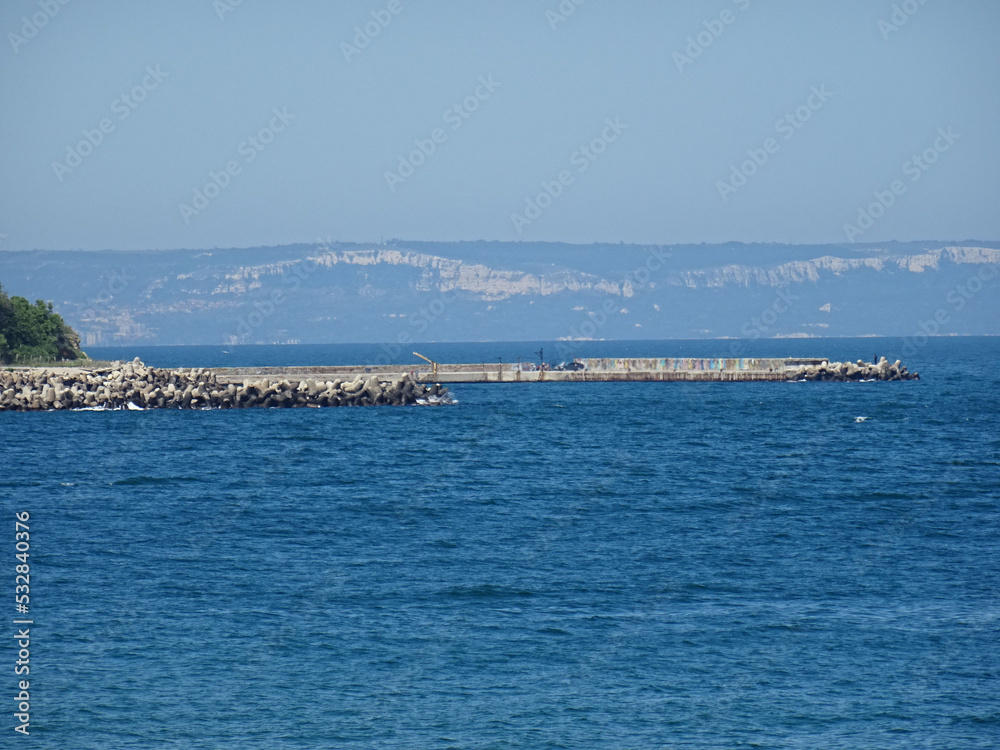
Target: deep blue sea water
(579,565)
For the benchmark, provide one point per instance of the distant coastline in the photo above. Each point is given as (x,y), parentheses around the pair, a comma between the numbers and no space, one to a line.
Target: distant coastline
(404,292)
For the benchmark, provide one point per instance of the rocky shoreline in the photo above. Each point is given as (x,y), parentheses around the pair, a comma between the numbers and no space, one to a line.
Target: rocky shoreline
(135,386)
(844,371)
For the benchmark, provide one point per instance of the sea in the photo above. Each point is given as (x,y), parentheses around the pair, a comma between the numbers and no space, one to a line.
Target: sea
(554,565)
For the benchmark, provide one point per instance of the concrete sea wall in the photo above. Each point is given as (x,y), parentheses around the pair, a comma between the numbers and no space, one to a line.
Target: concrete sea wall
(685,369)
(786,369)
(683,364)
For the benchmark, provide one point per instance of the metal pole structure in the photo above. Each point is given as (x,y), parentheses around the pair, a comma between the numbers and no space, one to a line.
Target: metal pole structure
(434,365)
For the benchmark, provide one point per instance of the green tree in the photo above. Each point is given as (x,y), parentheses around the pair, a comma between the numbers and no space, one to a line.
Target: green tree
(34,331)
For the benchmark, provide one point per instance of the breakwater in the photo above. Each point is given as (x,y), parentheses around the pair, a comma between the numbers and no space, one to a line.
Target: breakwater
(133,385)
(859,371)
(603,370)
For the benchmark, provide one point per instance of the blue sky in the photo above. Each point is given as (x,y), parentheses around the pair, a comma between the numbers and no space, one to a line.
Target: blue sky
(639,121)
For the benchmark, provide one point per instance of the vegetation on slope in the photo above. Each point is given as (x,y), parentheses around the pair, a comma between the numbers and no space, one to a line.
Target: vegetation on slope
(34,333)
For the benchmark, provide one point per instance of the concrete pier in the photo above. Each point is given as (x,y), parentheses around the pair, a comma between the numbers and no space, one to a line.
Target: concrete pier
(133,385)
(595,370)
